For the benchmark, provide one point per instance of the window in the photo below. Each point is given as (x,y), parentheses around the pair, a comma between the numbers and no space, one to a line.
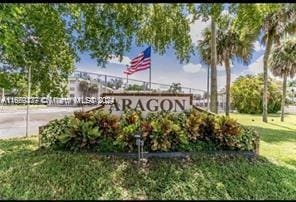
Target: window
(72,88)
(72,95)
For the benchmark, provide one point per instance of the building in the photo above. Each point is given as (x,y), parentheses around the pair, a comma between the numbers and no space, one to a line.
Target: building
(74,89)
(291,94)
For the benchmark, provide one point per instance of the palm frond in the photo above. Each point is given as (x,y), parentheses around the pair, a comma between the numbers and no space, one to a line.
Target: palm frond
(282,60)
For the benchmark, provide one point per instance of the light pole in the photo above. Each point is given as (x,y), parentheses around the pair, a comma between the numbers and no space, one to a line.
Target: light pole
(28,100)
(29,64)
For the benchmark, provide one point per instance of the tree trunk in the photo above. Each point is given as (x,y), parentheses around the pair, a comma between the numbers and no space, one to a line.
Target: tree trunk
(228,79)
(214,103)
(265,76)
(208,89)
(284,96)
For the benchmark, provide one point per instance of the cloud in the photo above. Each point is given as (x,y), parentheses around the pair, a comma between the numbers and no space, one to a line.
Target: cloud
(221,80)
(222,67)
(258,47)
(125,60)
(193,68)
(256,67)
(196,29)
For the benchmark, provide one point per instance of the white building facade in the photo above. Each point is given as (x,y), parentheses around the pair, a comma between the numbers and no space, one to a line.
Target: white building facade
(75,91)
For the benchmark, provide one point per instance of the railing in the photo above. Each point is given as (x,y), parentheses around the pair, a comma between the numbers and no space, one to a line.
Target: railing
(198,94)
(154,85)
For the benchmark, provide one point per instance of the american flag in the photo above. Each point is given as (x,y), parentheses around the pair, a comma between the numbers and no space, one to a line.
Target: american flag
(139,63)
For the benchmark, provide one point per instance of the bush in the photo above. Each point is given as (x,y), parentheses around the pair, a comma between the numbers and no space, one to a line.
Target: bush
(247,91)
(246,141)
(130,123)
(54,129)
(83,131)
(226,132)
(166,132)
(189,131)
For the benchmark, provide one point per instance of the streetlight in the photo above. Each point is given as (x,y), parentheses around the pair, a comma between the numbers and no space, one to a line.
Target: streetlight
(28,101)
(34,41)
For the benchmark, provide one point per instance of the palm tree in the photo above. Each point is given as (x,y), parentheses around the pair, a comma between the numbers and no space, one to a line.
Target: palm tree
(282,63)
(229,47)
(213,51)
(93,89)
(212,11)
(175,88)
(83,87)
(275,25)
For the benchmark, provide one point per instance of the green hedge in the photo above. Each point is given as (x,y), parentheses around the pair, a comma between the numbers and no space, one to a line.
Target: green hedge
(189,131)
(247,95)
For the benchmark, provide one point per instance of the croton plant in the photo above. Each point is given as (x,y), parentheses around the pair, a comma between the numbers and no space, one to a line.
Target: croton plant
(162,131)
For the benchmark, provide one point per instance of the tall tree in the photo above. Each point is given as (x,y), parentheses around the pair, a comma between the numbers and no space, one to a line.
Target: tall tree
(229,48)
(273,20)
(274,26)
(110,29)
(283,63)
(47,37)
(212,11)
(35,36)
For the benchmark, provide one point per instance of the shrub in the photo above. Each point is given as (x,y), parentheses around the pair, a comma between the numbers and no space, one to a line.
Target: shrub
(83,131)
(71,133)
(55,128)
(226,132)
(83,135)
(207,127)
(130,122)
(166,132)
(247,91)
(81,115)
(193,121)
(246,141)
(108,123)
(162,131)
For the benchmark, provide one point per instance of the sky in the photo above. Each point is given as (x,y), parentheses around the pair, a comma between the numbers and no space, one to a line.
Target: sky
(167,69)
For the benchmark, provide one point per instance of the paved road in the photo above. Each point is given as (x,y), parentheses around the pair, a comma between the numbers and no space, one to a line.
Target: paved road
(13,121)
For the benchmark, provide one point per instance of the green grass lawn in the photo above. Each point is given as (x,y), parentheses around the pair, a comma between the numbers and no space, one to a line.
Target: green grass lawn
(28,173)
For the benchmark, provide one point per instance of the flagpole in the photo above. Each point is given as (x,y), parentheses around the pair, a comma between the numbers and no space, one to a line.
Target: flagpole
(150,78)
(150,73)
(126,77)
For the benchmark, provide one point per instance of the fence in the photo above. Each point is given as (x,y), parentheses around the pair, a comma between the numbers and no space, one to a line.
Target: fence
(199,98)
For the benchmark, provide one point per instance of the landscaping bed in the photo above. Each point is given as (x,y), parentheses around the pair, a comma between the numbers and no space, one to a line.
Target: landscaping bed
(189,131)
